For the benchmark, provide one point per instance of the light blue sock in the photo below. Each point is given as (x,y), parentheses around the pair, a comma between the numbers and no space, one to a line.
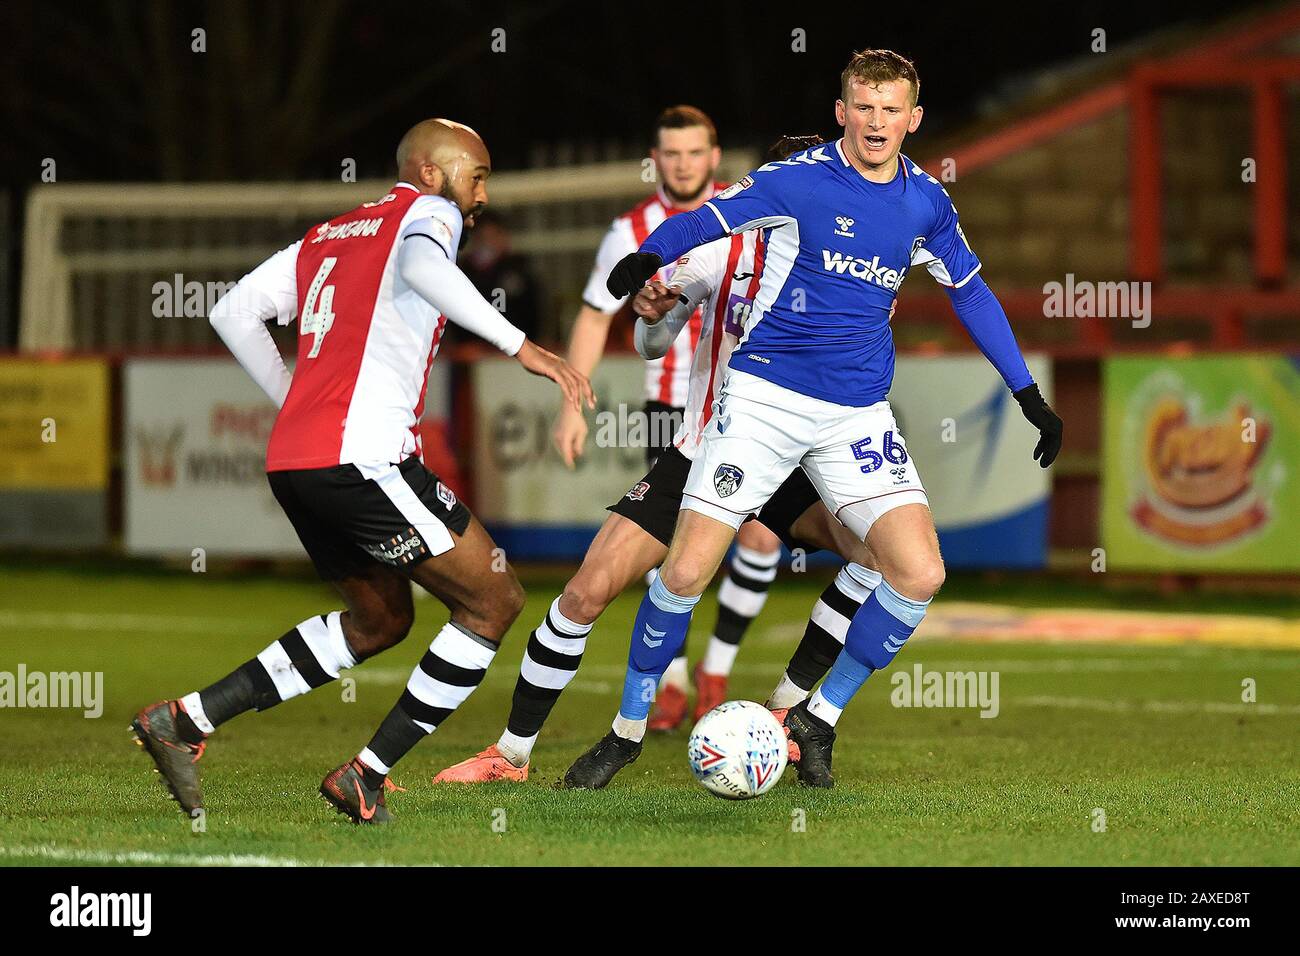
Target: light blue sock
(660,630)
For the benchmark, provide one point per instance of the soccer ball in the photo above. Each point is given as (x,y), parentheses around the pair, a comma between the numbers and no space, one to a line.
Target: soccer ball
(737,750)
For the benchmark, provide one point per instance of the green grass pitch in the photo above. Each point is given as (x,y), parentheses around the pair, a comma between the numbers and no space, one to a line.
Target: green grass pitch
(1153,736)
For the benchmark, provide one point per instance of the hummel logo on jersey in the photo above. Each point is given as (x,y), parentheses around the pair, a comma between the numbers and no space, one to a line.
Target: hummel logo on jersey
(871,271)
(845,225)
(346,230)
(649,631)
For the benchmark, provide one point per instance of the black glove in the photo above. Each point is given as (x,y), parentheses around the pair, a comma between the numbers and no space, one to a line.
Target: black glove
(631,273)
(1048,423)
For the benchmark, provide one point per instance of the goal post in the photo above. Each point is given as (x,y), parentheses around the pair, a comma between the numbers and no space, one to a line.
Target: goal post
(93,255)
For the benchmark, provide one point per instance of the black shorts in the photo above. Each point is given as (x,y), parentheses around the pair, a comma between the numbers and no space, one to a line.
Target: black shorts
(351,517)
(660,435)
(653,502)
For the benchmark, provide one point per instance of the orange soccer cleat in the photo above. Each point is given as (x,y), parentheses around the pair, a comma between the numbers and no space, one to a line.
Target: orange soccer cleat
(792,748)
(488,766)
(669,710)
(710,690)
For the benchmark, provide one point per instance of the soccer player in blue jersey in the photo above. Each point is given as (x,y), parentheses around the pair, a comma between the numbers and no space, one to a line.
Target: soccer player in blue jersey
(806,385)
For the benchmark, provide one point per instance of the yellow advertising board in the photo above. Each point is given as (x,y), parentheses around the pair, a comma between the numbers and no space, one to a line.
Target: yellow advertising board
(54,424)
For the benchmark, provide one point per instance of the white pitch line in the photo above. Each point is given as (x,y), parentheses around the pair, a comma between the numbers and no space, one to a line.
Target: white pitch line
(147,857)
(78,621)
(1156,706)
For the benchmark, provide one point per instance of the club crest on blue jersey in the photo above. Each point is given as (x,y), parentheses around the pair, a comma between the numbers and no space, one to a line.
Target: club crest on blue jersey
(727,479)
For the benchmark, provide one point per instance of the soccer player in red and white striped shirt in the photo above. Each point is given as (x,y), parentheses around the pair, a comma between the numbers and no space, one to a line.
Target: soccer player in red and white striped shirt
(373,289)
(686,157)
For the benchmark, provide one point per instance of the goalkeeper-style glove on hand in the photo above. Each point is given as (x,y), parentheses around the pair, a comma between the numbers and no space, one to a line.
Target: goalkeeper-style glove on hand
(631,273)
(1048,423)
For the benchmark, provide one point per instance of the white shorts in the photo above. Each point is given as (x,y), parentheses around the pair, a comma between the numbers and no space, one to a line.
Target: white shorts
(760,432)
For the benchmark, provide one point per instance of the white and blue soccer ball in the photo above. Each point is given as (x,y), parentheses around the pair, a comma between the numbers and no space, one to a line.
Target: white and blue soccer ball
(738,750)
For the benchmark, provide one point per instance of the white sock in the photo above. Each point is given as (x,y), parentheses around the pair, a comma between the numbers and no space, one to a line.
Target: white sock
(194,707)
(516,749)
(719,658)
(629,729)
(325,647)
(367,757)
(786,695)
(675,676)
(819,706)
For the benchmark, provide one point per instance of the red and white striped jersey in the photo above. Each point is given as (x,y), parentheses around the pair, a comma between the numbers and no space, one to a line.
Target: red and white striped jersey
(366,339)
(723,277)
(667,379)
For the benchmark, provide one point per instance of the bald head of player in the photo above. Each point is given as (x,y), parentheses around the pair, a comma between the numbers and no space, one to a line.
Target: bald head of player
(443,158)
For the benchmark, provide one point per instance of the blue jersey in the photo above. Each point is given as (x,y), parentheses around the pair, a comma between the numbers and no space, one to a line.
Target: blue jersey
(838,249)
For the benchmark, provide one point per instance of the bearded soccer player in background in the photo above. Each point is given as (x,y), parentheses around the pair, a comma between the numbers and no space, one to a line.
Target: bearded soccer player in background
(686,157)
(374,288)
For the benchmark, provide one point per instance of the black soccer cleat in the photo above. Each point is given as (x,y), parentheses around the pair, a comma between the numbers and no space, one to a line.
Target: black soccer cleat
(344,788)
(814,738)
(594,769)
(176,758)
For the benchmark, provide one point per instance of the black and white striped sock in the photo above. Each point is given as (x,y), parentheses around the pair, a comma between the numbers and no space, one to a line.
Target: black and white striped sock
(823,638)
(741,597)
(312,654)
(451,668)
(551,659)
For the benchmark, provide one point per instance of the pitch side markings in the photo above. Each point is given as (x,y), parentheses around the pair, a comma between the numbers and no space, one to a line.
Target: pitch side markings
(1157,706)
(146,857)
(598,677)
(79,621)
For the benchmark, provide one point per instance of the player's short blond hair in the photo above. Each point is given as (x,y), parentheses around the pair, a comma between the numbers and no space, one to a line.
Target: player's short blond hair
(683,117)
(871,67)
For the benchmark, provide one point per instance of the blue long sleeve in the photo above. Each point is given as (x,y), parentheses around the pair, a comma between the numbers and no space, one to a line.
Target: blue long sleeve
(681,233)
(986,322)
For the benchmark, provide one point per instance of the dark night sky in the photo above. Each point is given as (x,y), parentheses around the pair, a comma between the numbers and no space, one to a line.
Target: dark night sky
(86,81)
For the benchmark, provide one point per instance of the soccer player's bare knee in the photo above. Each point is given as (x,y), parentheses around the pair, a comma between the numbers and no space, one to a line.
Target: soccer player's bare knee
(379,611)
(757,537)
(493,608)
(920,579)
(371,628)
(587,594)
(688,574)
(699,545)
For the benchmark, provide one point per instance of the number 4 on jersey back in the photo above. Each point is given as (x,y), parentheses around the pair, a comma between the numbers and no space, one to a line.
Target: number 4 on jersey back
(317,316)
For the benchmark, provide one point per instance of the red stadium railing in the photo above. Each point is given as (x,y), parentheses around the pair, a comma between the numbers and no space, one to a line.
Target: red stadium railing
(1264,79)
